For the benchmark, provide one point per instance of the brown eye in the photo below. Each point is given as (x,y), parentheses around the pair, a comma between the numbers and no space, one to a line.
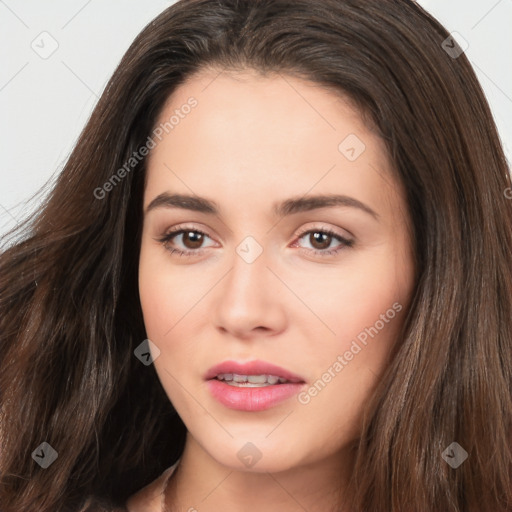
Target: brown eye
(184,242)
(320,240)
(192,239)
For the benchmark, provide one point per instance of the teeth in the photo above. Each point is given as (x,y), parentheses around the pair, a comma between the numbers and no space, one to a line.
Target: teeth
(272,379)
(257,379)
(250,381)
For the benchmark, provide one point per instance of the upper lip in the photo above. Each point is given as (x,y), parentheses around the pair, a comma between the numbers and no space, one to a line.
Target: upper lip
(251,368)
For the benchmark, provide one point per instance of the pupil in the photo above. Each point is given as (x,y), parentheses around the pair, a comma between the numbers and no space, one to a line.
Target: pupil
(194,238)
(317,236)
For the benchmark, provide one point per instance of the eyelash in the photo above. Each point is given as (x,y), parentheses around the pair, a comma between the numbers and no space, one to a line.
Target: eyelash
(346,243)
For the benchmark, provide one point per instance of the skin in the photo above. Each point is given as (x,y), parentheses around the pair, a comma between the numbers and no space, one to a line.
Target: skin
(252,141)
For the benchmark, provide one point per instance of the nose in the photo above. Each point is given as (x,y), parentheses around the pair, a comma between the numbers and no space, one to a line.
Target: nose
(249,300)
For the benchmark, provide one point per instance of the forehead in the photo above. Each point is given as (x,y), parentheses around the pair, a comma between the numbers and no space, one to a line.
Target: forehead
(271,103)
(277,132)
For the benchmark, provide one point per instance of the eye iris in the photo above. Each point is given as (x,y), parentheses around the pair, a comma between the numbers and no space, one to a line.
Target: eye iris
(315,237)
(194,238)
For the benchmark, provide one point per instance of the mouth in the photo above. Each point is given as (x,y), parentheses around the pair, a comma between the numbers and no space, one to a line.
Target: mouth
(252,386)
(250,381)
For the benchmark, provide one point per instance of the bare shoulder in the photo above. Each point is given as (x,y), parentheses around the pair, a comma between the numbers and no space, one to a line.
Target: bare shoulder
(149,498)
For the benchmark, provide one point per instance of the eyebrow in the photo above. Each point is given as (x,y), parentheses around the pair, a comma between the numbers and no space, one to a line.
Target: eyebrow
(287,207)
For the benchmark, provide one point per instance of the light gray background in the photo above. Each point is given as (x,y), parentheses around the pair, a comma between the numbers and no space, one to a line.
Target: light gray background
(45,102)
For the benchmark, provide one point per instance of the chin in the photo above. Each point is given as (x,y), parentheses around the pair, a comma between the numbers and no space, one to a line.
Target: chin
(257,456)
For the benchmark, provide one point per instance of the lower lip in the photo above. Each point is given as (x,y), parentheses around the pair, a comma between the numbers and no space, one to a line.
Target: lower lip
(252,399)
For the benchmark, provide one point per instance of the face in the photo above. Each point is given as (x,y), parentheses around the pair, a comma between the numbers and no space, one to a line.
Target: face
(290,258)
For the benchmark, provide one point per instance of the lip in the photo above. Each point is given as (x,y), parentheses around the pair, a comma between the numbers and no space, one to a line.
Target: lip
(252,399)
(252,368)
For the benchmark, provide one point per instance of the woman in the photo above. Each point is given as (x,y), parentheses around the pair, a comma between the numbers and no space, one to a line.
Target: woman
(274,274)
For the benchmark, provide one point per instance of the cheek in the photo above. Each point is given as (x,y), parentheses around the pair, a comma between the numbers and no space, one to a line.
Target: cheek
(344,369)
(366,312)
(163,305)
(155,297)
(367,294)
(173,299)
(167,293)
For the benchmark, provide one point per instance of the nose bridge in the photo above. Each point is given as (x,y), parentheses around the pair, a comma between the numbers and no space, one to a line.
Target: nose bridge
(247,299)
(249,269)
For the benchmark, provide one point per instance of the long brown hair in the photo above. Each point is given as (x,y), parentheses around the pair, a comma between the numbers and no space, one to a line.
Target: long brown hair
(70,311)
